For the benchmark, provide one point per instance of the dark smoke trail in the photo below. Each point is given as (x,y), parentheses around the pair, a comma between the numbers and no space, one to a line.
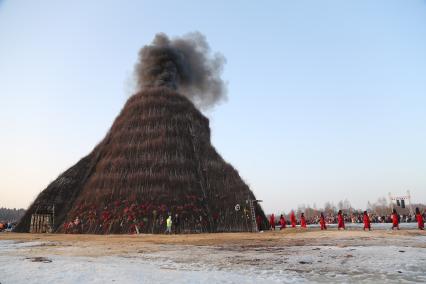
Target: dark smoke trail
(183,64)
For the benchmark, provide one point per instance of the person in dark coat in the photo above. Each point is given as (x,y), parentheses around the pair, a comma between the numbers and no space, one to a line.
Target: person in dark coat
(176,223)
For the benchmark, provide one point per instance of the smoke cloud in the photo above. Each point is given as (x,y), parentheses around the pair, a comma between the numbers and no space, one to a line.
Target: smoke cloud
(184,64)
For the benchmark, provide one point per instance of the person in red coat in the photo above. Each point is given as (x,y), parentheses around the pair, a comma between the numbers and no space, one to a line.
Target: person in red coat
(420,221)
(340,220)
(395,220)
(322,222)
(282,222)
(366,220)
(293,219)
(302,221)
(272,221)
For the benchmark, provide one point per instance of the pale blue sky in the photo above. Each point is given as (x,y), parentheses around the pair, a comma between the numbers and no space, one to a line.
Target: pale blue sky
(327,99)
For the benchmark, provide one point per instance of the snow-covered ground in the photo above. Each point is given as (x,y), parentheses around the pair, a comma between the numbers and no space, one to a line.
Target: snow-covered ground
(301,258)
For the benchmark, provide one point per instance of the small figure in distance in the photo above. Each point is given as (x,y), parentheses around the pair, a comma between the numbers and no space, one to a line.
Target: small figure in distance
(340,221)
(367,223)
(322,222)
(176,222)
(282,222)
(169,225)
(420,221)
(259,223)
(395,219)
(293,219)
(302,221)
(272,222)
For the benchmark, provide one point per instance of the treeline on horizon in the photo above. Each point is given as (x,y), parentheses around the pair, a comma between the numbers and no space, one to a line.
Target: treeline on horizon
(11,214)
(380,208)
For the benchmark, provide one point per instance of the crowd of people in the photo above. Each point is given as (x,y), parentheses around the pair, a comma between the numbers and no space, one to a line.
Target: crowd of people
(340,219)
(172,224)
(6,226)
(358,217)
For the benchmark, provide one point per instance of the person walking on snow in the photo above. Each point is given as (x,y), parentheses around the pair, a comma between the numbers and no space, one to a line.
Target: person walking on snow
(282,222)
(293,219)
(340,221)
(420,221)
(322,222)
(302,221)
(395,220)
(366,220)
(272,222)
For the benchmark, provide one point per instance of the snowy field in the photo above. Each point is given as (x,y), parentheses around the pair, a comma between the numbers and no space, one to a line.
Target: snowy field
(292,256)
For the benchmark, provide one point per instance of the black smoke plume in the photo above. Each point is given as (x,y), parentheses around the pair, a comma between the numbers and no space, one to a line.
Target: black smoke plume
(184,64)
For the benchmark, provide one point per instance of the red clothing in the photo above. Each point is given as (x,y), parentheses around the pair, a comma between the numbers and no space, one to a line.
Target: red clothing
(322,223)
(282,223)
(272,222)
(367,224)
(420,221)
(293,219)
(395,221)
(105,216)
(340,221)
(302,222)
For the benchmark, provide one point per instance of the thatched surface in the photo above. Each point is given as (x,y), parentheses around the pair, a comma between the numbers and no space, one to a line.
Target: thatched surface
(155,160)
(61,193)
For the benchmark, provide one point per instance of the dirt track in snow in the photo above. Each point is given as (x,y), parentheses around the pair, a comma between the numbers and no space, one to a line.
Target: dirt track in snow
(101,245)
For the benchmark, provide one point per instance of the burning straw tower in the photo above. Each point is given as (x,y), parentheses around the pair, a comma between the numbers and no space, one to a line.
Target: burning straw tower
(157,158)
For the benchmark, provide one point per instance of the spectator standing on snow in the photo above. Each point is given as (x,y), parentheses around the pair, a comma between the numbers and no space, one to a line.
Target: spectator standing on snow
(169,225)
(176,222)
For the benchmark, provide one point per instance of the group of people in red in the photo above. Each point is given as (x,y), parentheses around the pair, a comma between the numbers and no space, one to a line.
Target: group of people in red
(341,221)
(283,222)
(419,219)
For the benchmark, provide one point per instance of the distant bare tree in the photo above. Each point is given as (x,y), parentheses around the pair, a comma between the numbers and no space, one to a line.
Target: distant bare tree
(11,215)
